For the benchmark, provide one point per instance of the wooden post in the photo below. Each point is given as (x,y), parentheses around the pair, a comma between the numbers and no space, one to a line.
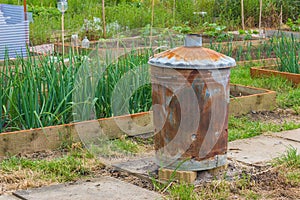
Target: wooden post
(280,23)
(25,19)
(243,18)
(103,18)
(25,10)
(152,21)
(63,33)
(174,10)
(260,14)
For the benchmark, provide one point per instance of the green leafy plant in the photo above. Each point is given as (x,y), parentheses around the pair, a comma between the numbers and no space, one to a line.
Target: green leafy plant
(216,31)
(182,29)
(92,28)
(294,26)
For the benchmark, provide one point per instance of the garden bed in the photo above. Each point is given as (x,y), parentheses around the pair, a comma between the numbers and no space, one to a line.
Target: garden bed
(246,99)
(139,42)
(52,137)
(279,33)
(271,71)
(267,61)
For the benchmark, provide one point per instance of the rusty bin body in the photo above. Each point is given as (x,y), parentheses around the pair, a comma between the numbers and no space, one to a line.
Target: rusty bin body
(190,97)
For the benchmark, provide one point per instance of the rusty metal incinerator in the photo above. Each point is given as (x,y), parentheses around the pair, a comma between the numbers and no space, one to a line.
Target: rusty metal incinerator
(190,95)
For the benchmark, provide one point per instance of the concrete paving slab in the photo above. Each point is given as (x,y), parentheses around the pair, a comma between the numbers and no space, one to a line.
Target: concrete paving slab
(142,166)
(103,188)
(291,135)
(8,197)
(259,150)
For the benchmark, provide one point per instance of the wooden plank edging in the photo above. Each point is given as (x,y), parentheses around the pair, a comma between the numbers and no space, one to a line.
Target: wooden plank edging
(260,72)
(52,137)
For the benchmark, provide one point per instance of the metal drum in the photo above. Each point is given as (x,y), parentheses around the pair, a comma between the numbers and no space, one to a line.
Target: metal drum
(190,95)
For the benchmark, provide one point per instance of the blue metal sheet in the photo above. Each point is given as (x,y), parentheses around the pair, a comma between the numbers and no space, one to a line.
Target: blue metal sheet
(14,32)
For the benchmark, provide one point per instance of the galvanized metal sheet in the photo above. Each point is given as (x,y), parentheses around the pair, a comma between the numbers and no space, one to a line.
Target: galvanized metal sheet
(192,56)
(14,31)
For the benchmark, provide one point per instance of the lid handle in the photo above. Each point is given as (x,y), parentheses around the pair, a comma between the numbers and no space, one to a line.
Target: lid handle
(193,40)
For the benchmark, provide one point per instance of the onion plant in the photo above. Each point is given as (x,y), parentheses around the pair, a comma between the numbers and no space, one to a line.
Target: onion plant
(139,98)
(38,92)
(35,93)
(287,51)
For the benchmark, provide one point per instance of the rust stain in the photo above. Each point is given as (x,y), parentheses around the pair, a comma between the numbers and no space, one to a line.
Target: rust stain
(173,112)
(190,54)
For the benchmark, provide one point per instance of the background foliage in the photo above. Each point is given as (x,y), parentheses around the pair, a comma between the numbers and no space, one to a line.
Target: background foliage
(130,14)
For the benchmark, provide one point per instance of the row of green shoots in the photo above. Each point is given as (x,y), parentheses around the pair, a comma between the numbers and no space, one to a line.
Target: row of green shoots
(41,91)
(285,49)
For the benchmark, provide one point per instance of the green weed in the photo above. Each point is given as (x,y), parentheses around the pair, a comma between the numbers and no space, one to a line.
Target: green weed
(289,166)
(291,158)
(182,191)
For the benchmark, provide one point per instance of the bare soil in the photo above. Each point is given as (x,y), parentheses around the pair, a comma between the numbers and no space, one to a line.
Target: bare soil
(278,116)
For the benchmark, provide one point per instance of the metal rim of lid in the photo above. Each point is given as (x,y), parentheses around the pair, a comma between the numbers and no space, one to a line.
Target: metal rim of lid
(193,42)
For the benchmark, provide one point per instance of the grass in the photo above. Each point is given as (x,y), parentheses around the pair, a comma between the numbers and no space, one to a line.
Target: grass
(290,158)
(115,147)
(182,191)
(66,168)
(289,165)
(287,95)
(245,127)
(22,172)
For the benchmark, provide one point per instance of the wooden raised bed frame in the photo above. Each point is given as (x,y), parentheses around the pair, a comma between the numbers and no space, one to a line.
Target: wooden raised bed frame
(49,138)
(265,72)
(258,99)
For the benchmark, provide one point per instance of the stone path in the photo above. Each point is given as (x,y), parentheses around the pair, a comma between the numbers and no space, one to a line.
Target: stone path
(255,151)
(103,188)
(262,149)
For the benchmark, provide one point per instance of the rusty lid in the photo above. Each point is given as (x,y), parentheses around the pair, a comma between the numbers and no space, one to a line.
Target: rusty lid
(192,56)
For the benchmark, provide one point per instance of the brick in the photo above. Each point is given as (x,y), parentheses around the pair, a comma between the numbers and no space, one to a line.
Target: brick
(181,176)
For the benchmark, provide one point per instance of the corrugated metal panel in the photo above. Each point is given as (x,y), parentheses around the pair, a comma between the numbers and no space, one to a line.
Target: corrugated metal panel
(16,13)
(14,31)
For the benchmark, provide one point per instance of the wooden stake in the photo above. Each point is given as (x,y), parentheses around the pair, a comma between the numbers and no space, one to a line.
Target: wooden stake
(25,10)
(280,23)
(63,33)
(152,21)
(260,15)
(243,18)
(103,19)
(25,19)
(174,10)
